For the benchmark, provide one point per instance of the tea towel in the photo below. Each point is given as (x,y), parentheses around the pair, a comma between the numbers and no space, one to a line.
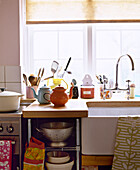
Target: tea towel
(127,145)
(5,154)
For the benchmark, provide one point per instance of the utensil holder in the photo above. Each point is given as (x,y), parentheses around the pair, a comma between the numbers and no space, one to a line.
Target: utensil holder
(29,91)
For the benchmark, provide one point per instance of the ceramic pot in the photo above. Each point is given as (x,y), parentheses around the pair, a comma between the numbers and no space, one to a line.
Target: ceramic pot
(9,101)
(58,97)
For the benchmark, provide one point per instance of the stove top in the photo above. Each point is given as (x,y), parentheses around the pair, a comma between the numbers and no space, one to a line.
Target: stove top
(17,113)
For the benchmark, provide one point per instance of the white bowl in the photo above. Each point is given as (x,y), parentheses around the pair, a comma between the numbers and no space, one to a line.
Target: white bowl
(66,166)
(58,157)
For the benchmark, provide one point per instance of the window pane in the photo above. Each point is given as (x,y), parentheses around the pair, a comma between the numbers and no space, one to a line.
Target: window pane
(107,68)
(45,45)
(131,43)
(107,44)
(71,44)
(43,63)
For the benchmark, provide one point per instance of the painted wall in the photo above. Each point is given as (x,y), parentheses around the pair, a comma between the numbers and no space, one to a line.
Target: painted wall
(9,32)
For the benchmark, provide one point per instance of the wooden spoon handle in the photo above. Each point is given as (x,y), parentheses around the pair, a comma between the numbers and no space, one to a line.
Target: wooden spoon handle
(39,72)
(25,79)
(42,73)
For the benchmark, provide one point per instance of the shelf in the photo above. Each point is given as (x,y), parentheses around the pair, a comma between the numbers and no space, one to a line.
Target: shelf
(76,148)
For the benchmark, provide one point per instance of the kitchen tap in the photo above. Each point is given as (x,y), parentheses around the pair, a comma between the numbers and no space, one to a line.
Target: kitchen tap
(116,84)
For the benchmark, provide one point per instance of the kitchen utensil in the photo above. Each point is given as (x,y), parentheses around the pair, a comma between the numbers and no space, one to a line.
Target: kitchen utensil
(65,166)
(60,68)
(56,132)
(69,72)
(39,78)
(58,97)
(39,73)
(25,79)
(48,78)
(32,80)
(105,79)
(9,101)
(66,67)
(43,95)
(54,67)
(58,157)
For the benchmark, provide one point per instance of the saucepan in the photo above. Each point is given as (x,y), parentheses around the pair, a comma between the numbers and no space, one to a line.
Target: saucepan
(9,101)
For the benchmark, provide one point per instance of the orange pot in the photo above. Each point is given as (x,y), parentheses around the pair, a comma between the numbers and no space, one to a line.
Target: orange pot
(58,97)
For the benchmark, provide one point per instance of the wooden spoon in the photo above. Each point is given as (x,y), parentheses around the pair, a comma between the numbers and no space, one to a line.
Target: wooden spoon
(39,78)
(32,80)
(25,79)
(39,72)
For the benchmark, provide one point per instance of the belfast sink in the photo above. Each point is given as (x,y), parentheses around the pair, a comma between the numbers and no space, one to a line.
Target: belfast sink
(99,129)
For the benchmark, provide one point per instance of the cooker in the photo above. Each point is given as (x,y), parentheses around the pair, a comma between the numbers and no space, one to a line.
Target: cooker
(10,130)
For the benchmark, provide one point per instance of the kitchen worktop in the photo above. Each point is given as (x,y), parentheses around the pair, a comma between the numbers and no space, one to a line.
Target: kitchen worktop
(73,108)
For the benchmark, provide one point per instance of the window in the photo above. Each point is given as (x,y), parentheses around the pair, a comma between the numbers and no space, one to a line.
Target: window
(94,49)
(56,42)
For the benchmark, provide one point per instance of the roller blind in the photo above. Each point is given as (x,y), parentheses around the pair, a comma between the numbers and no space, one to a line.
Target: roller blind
(82,11)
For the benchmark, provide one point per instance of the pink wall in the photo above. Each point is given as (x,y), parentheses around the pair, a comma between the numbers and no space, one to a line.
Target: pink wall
(9,32)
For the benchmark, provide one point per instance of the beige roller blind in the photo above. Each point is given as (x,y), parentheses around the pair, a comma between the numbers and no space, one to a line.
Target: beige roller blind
(82,11)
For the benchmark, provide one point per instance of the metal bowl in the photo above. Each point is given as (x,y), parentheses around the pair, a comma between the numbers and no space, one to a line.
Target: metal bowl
(56,131)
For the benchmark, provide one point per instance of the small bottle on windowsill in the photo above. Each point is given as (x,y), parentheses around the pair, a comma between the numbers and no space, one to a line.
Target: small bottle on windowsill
(132,91)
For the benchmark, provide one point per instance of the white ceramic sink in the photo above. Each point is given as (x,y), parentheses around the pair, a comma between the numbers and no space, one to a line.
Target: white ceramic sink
(99,129)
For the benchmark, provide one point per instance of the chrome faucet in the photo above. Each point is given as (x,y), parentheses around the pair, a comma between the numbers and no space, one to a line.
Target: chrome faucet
(116,84)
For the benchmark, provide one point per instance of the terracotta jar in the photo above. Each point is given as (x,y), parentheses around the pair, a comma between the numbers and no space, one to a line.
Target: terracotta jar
(58,97)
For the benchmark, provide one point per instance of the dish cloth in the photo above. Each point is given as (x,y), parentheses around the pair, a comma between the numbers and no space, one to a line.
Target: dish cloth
(127,145)
(5,154)
(34,156)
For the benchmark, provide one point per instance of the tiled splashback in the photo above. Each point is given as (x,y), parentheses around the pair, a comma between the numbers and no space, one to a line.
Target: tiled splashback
(10,78)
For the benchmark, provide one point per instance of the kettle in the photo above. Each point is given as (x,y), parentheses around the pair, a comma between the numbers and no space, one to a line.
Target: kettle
(58,97)
(43,95)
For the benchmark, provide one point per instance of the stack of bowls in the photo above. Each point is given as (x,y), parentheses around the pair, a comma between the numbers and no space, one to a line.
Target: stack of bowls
(58,160)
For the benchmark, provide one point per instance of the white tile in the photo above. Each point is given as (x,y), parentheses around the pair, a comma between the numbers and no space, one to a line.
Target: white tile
(16,87)
(13,74)
(1,73)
